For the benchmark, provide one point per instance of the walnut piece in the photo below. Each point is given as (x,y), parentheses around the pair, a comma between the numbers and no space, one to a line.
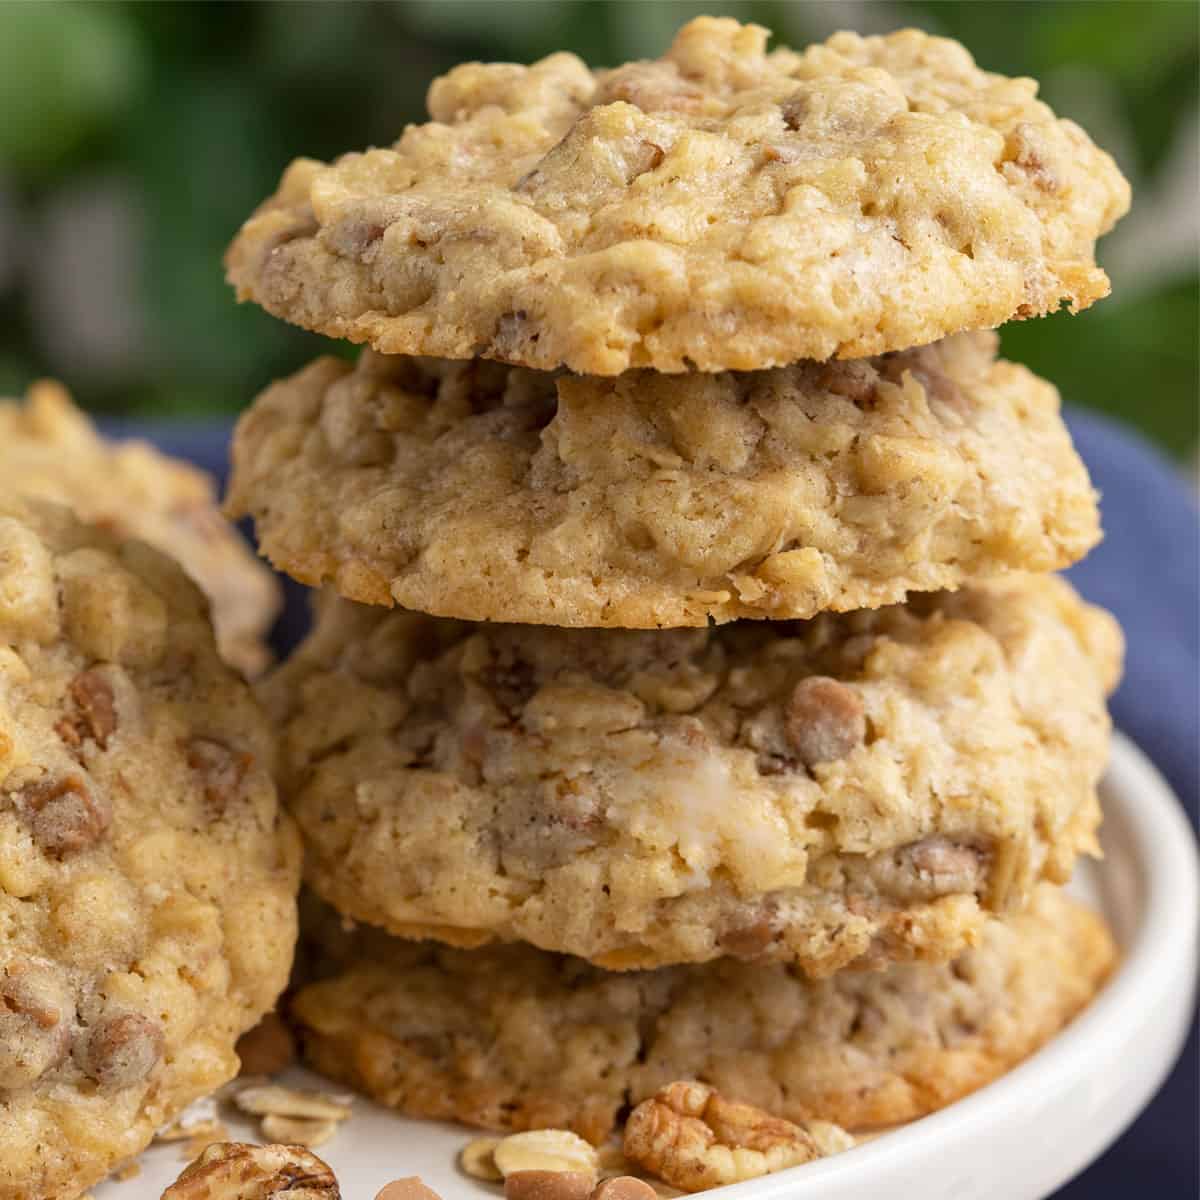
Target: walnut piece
(237,1171)
(65,814)
(122,1049)
(944,866)
(221,769)
(823,720)
(35,1020)
(96,713)
(692,1137)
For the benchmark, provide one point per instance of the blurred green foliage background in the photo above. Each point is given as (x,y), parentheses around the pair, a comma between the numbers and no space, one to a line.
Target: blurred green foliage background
(136,136)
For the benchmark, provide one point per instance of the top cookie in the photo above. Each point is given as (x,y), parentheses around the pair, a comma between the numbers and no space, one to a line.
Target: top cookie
(48,448)
(719,208)
(147,877)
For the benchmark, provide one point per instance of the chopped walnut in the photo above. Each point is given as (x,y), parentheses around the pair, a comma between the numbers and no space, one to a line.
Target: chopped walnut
(823,720)
(221,769)
(856,381)
(691,1136)
(939,866)
(36,1012)
(95,715)
(122,1049)
(748,941)
(268,1048)
(237,1171)
(548,1185)
(65,814)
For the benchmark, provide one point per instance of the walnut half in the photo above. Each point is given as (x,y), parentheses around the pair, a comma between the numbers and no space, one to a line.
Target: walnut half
(238,1171)
(693,1138)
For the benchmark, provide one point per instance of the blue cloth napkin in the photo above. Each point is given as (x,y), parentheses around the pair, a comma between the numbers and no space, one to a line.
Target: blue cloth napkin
(1147,572)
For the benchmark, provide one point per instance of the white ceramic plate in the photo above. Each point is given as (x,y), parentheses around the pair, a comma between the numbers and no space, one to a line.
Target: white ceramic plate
(1017,1139)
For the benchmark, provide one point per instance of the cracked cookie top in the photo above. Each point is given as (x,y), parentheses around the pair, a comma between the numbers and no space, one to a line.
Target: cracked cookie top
(859,787)
(49,449)
(147,875)
(510,1037)
(487,492)
(722,207)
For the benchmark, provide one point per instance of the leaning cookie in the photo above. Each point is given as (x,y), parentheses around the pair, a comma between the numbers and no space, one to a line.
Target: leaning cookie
(514,1038)
(147,875)
(719,208)
(864,786)
(48,448)
(484,492)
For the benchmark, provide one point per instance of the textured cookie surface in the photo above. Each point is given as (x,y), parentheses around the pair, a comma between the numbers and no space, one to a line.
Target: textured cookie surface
(816,792)
(486,492)
(147,874)
(48,448)
(511,1037)
(720,208)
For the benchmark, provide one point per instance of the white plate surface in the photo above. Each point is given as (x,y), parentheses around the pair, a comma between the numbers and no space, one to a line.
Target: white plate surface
(1017,1139)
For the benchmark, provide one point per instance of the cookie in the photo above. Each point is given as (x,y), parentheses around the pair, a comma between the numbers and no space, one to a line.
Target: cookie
(147,875)
(485,492)
(48,448)
(514,1038)
(719,208)
(860,787)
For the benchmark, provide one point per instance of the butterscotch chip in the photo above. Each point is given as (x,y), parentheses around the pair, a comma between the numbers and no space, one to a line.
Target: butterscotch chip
(644,798)
(721,207)
(48,448)
(624,1187)
(515,1038)
(141,930)
(548,1185)
(494,493)
(407,1189)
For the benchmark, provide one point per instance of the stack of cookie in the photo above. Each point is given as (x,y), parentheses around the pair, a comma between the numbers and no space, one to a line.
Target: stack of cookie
(689,615)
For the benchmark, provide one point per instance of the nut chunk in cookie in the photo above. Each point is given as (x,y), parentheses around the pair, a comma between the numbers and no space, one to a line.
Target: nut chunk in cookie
(723,207)
(144,927)
(859,787)
(485,492)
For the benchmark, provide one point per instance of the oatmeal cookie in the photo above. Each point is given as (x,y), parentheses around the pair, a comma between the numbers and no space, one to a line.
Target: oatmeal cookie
(863,786)
(147,874)
(509,1037)
(719,208)
(486,492)
(48,448)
